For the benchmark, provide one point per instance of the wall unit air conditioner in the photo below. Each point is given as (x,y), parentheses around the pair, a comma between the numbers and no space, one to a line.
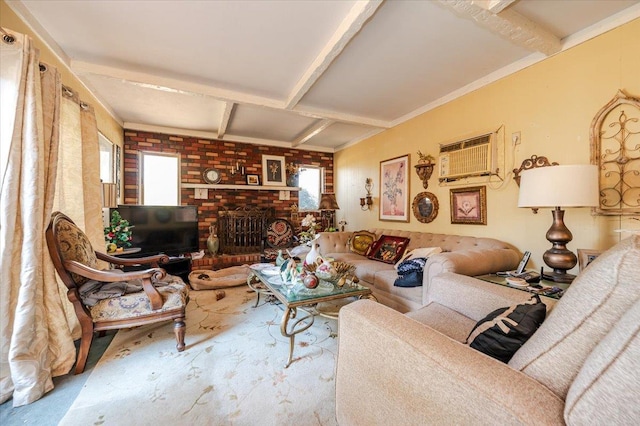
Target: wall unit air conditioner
(475,156)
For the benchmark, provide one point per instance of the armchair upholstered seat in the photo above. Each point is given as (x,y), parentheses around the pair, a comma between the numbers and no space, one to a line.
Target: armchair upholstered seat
(119,299)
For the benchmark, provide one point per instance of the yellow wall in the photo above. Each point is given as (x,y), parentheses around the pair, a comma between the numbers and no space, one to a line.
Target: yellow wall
(107,125)
(552,103)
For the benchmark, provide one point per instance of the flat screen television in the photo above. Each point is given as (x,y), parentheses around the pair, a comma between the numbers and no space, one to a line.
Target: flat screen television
(172,230)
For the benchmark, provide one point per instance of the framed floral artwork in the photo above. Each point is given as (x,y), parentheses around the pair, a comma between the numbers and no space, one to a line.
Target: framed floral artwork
(469,205)
(394,189)
(273,170)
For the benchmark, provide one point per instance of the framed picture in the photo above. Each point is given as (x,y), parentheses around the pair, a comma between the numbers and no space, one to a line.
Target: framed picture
(469,205)
(425,207)
(585,257)
(388,249)
(253,180)
(273,171)
(394,189)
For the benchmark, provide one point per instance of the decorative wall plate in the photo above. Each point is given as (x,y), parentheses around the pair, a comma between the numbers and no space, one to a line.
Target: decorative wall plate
(212,176)
(425,207)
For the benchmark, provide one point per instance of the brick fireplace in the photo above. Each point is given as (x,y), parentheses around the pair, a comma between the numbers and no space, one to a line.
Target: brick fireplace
(198,154)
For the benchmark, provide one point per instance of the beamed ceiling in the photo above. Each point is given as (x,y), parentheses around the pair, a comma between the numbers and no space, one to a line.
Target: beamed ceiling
(318,74)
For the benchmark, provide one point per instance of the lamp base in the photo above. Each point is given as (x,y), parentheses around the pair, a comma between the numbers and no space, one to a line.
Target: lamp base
(558,277)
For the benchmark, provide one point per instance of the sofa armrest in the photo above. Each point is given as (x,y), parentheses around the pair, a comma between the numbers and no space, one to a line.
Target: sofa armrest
(394,370)
(475,298)
(470,262)
(334,242)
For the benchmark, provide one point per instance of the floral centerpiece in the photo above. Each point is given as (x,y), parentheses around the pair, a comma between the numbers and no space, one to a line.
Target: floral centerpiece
(311,228)
(118,233)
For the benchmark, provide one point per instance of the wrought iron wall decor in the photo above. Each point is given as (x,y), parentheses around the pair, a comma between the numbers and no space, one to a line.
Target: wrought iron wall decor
(615,149)
(531,163)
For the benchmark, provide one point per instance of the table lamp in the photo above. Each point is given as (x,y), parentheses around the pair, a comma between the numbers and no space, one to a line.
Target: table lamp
(558,187)
(328,206)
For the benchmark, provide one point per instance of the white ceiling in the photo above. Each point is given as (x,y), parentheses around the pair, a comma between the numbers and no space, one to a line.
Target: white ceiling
(313,74)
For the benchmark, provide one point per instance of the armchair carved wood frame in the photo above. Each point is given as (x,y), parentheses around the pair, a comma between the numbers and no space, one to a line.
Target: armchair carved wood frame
(76,262)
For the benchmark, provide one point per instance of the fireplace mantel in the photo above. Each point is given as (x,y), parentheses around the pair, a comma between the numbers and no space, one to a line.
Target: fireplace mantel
(243,187)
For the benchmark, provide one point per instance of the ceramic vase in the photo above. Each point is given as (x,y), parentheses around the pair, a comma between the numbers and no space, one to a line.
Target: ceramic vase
(213,242)
(313,253)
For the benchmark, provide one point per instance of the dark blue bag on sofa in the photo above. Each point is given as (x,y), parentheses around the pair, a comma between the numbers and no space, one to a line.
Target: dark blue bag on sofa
(410,272)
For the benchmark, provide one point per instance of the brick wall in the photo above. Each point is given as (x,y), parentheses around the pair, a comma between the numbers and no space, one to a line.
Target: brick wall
(198,154)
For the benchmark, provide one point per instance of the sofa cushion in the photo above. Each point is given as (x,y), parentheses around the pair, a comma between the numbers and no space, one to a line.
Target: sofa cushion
(607,387)
(591,306)
(445,320)
(501,333)
(384,281)
(367,270)
(388,249)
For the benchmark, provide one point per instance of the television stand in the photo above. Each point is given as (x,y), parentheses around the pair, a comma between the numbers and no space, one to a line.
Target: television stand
(179,266)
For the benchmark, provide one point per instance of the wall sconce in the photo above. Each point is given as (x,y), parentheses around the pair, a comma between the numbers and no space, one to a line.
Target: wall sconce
(367,202)
(236,165)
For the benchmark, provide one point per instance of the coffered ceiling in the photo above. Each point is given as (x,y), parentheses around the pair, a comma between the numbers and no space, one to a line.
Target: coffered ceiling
(314,74)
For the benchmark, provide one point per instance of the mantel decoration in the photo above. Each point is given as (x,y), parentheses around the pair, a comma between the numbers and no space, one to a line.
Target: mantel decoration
(118,234)
(292,174)
(273,170)
(615,149)
(424,168)
(394,190)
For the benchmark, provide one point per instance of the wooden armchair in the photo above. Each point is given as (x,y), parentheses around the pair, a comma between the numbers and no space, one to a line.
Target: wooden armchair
(162,297)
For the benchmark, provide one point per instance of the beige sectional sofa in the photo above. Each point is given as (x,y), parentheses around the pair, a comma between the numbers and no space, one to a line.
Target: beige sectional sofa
(581,367)
(461,254)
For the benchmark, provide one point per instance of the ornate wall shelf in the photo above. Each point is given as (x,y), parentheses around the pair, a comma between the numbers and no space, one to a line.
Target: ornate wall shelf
(241,187)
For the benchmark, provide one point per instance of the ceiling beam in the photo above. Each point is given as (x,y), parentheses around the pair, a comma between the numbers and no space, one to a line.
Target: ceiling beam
(154,82)
(494,6)
(167,84)
(224,120)
(348,28)
(314,130)
(509,25)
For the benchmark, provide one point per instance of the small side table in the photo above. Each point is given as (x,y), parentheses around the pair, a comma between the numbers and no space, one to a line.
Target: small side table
(546,284)
(131,250)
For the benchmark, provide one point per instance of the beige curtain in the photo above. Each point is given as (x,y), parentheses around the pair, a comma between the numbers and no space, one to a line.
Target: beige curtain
(36,321)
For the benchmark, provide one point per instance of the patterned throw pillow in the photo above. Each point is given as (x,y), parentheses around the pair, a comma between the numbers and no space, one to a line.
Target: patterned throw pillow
(501,333)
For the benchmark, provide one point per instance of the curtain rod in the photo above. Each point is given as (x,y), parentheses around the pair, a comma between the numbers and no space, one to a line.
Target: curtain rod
(6,37)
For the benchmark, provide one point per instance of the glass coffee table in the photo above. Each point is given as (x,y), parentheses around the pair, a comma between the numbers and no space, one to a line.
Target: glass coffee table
(296,298)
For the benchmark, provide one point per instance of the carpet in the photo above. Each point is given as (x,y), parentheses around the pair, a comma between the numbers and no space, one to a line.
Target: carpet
(231,372)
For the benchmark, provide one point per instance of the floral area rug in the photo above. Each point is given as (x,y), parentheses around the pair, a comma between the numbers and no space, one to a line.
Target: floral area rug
(231,372)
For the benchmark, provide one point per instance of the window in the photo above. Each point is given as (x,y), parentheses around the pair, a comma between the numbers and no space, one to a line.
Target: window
(106,159)
(159,179)
(310,180)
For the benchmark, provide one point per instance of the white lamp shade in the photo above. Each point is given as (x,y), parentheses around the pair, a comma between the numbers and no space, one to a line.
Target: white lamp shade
(559,186)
